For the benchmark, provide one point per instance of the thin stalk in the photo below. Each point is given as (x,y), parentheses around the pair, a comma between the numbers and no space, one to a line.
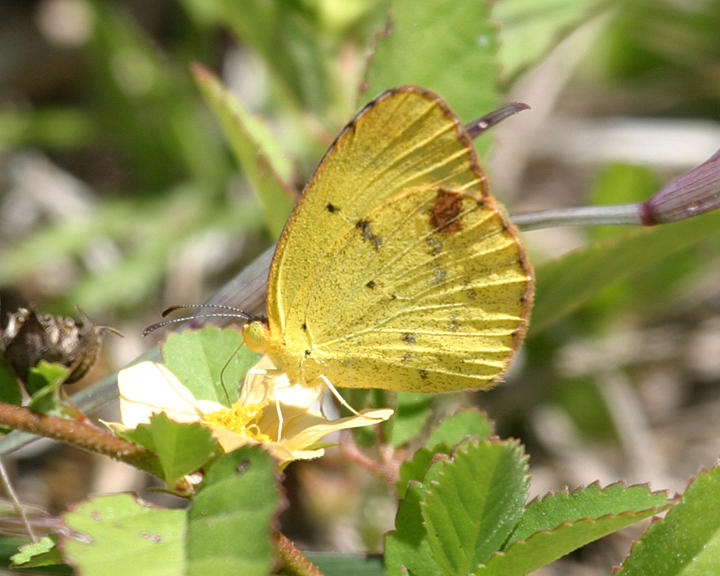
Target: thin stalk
(19,508)
(613,214)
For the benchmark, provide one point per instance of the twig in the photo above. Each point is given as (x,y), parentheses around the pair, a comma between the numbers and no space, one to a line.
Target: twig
(79,434)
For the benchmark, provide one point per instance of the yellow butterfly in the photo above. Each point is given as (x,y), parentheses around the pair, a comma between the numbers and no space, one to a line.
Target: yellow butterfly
(397,269)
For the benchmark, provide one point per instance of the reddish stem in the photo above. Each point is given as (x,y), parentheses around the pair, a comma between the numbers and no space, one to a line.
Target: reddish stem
(293,560)
(78,433)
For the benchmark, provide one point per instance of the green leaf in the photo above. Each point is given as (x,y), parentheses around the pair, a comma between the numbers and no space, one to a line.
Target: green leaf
(181,448)
(560,523)
(530,28)
(568,282)
(44,383)
(447,46)
(687,541)
(549,512)
(229,529)
(9,388)
(331,564)
(210,362)
(40,553)
(448,433)
(287,37)
(262,162)
(407,550)
(414,469)
(44,374)
(112,533)
(411,414)
(455,428)
(473,501)
(58,128)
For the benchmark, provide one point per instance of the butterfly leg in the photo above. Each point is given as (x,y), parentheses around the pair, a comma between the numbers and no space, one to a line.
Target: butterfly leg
(337,395)
(264,373)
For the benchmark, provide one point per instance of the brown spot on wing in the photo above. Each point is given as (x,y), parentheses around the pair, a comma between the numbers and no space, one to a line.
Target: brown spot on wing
(445,210)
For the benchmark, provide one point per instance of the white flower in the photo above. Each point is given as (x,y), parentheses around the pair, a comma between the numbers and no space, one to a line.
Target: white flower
(266,397)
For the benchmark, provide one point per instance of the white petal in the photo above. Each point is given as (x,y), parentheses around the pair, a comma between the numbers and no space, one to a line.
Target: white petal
(147,388)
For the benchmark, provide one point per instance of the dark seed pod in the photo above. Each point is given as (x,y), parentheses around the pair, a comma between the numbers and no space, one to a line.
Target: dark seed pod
(30,337)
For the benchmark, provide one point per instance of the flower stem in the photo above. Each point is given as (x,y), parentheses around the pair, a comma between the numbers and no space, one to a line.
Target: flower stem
(294,562)
(613,214)
(79,434)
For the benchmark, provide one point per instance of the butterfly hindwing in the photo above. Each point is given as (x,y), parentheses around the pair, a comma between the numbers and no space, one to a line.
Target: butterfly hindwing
(427,292)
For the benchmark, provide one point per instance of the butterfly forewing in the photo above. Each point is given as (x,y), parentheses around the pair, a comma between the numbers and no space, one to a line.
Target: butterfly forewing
(406,138)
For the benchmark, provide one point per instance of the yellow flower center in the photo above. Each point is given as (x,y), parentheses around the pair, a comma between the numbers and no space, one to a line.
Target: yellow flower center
(242,420)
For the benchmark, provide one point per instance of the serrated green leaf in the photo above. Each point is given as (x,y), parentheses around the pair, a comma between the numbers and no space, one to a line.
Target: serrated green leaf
(267,170)
(449,432)
(473,501)
(331,564)
(568,282)
(560,523)
(530,28)
(592,502)
(229,528)
(181,448)
(455,428)
(687,541)
(210,362)
(40,553)
(113,533)
(414,468)
(411,414)
(407,550)
(447,46)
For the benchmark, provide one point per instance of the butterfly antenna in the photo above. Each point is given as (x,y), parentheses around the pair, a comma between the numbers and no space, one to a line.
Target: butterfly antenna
(480,125)
(232,312)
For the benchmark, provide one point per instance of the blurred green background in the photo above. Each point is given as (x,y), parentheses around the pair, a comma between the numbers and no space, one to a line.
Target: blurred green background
(120,194)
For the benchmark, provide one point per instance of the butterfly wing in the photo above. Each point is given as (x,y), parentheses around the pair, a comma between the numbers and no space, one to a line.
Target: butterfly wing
(431,293)
(405,138)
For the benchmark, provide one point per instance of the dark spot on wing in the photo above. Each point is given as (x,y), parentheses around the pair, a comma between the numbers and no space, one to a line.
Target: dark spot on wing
(409,338)
(445,210)
(453,324)
(367,233)
(370,284)
(304,326)
(406,357)
(435,245)
(307,353)
(423,374)
(332,208)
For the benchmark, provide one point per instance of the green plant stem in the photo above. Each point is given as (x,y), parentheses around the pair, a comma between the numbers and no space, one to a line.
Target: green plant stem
(79,434)
(293,561)
(612,214)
